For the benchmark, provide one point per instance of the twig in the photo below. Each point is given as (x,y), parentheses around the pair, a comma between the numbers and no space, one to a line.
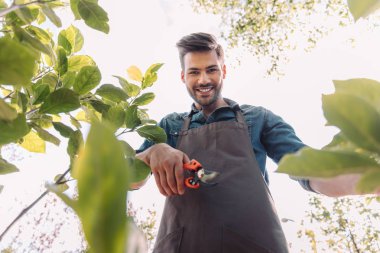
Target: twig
(25,210)
(14,6)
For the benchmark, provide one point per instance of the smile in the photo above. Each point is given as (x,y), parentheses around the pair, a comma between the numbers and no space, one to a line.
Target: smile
(204,89)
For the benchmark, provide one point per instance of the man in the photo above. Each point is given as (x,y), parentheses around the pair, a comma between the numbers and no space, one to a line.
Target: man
(236,215)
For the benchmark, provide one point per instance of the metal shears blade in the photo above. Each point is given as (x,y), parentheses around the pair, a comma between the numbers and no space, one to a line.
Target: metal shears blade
(199,175)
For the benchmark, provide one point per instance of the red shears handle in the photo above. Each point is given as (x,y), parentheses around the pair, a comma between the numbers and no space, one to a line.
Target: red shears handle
(193,166)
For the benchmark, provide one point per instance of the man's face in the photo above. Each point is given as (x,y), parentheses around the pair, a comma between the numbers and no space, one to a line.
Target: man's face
(203,75)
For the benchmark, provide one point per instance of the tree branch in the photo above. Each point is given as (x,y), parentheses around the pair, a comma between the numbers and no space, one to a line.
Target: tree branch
(25,210)
(14,6)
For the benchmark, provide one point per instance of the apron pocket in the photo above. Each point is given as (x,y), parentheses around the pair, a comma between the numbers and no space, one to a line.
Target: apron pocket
(233,242)
(169,243)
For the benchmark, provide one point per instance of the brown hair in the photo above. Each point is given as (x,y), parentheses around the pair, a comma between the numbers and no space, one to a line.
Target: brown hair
(198,42)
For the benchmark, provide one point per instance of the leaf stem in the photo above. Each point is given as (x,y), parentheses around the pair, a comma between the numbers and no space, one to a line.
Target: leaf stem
(25,210)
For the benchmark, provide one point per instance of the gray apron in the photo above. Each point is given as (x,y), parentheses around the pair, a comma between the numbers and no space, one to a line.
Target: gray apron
(235,216)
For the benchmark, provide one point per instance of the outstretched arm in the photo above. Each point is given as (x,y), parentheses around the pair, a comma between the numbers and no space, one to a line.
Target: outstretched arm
(166,164)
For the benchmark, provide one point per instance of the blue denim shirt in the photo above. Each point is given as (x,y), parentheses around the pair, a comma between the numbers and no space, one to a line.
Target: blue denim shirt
(270,135)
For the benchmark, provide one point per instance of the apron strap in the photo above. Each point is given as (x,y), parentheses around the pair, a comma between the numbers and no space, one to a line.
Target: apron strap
(235,107)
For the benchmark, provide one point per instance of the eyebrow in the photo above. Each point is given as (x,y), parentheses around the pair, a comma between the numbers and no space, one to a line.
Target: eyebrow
(209,67)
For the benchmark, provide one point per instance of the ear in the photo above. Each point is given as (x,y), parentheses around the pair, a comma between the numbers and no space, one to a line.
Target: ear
(224,71)
(182,76)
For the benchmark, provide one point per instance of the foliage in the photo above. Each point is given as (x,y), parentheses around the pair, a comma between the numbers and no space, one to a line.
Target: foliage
(264,27)
(49,90)
(354,109)
(341,225)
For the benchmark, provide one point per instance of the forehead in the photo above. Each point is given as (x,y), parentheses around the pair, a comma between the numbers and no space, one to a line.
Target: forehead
(201,59)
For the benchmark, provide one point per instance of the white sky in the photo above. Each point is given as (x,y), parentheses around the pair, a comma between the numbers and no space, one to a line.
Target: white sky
(145,32)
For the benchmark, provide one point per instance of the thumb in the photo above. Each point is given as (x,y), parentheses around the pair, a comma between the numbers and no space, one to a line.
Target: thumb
(185,158)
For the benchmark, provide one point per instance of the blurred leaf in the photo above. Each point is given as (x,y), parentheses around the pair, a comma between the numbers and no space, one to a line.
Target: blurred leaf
(64,130)
(1,188)
(3,4)
(6,168)
(40,92)
(367,89)
(75,142)
(74,8)
(68,79)
(33,143)
(152,133)
(131,89)
(99,106)
(62,62)
(369,182)
(61,100)
(49,12)
(39,33)
(112,93)
(25,36)
(154,68)
(115,115)
(76,62)
(75,122)
(144,99)
(71,39)
(61,187)
(362,8)
(7,113)
(310,162)
(88,78)
(46,136)
(16,62)
(129,152)
(149,80)
(51,79)
(357,119)
(26,14)
(102,186)
(44,121)
(135,73)
(11,131)
(22,101)
(340,142)
(93,15)
(140,171)
(131,118)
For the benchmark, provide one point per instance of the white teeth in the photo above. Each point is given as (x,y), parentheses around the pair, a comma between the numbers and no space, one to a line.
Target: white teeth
(204,89)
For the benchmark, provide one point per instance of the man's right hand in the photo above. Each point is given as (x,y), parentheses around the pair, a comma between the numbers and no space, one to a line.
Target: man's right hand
(166,164)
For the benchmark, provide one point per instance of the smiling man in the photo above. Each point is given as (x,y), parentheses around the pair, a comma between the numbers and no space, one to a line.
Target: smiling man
(237,214)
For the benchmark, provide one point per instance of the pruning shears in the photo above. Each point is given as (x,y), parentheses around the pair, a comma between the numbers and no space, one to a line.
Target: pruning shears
(199,175)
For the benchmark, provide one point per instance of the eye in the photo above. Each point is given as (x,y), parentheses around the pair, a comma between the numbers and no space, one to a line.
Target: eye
(193,72)
(212,70)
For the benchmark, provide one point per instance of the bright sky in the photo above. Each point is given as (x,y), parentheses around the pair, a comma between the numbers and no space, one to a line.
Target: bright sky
(145,32)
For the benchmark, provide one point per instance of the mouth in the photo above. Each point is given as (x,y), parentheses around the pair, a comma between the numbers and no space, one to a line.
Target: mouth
(204,90)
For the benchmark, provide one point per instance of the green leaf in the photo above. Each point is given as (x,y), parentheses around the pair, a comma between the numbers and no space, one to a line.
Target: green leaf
(115,115)
(40,34)
(71,39)
(61,100)
(131,118)
(140,171)
(3,4)
(102,186)
(68,79)
(369,182)
(99,106)
(93,15)
(77,62)
(40,92)
(6,168)
(7,113)
(357,119)
(75,142)
(26,14)
(51,79)
(25,36)
(33,143)
(43,120)
(49,12)
(310,162)
(62,62)
(129,152)
(111,92)
(152,133)
(144,99)
(64,130)
(340,142)
(75,122)
(22,101)
(367,89)
(153,68)
(135,73)
(362,8)
(88,78)
(74,8)
(11,131)
(46,136)
(131,89)
(16,62)
(149,80)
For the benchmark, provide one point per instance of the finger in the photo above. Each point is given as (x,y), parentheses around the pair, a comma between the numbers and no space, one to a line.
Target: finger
(178,171)
(185,158)
(164,184)
(171,179)
(158,183)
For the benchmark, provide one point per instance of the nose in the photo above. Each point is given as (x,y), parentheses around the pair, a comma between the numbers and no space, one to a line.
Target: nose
(203,78)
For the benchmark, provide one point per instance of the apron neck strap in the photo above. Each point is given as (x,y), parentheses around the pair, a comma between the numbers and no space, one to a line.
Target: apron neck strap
(234,106)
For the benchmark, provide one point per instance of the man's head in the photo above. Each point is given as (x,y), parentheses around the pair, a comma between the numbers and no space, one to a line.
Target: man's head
(198,42)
